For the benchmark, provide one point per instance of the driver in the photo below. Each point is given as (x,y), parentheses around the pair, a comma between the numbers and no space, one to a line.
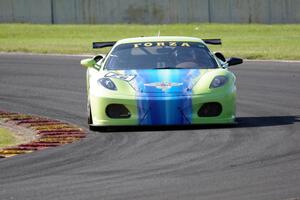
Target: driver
(186,58)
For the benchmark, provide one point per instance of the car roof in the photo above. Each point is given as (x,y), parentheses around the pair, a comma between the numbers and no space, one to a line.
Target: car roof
(160,39)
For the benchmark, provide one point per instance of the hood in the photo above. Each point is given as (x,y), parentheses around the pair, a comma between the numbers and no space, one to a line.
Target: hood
(162,81)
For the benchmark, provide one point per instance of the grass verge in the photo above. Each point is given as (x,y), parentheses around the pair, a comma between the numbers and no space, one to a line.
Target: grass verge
(6,138)
(254,41)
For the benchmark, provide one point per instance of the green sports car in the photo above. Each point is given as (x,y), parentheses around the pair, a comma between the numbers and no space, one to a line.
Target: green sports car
(160,81)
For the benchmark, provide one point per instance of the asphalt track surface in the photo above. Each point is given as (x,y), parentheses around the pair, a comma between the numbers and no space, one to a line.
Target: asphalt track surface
(257,159)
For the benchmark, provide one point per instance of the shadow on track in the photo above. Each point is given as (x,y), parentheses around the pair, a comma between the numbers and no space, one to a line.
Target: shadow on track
(241,122)
(245,122)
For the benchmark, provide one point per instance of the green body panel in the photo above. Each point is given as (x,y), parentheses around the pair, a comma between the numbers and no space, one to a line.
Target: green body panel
(98,105)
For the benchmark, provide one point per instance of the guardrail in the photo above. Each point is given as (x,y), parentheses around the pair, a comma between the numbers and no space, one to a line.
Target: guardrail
(149,11)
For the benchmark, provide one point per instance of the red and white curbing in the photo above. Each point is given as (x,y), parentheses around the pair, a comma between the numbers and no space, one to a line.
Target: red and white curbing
(49,133)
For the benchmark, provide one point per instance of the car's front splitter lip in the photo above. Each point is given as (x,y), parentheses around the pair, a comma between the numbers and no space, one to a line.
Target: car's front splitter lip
(204,121)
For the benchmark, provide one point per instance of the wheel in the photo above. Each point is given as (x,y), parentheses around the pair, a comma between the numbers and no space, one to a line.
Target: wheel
(88,108)
(90,121)
(90,117)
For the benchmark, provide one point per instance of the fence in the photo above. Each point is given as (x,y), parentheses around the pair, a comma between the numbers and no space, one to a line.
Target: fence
(149,11)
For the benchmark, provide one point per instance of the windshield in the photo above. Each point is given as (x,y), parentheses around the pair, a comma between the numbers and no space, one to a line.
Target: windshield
(160,55)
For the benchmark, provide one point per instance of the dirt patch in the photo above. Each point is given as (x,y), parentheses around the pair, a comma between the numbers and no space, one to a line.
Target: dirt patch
(22,135)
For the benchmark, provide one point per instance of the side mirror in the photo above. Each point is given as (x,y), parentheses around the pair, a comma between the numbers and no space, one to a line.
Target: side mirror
(234,61)
(220,56)
(97,58)
(89,62)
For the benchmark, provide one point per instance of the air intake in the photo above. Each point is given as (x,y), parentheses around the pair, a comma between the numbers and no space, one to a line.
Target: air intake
(212,109)
(117,111)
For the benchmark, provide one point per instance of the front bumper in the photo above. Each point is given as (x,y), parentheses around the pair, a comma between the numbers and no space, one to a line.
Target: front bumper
(172,110)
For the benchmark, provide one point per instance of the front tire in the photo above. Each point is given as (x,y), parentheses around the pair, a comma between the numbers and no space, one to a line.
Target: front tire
(90,117)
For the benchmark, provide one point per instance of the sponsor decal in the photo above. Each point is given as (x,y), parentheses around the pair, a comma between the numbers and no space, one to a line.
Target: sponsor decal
(164,86)
(161,44)
(124,77)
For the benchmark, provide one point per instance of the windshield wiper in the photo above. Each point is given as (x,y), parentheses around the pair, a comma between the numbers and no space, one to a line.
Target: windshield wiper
(167,68)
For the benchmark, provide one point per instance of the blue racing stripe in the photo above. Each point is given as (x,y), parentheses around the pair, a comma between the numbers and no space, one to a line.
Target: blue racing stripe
(164,96)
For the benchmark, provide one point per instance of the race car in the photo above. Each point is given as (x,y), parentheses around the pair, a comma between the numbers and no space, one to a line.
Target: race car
(164,80)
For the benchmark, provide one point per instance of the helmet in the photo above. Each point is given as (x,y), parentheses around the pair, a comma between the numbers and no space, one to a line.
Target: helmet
(185,54)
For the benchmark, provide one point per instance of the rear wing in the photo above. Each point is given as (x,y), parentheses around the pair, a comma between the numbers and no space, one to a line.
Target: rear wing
(98,45)
(212,41)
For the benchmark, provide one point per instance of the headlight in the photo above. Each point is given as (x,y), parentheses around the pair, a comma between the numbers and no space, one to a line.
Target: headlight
(107,83)
(218,81)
